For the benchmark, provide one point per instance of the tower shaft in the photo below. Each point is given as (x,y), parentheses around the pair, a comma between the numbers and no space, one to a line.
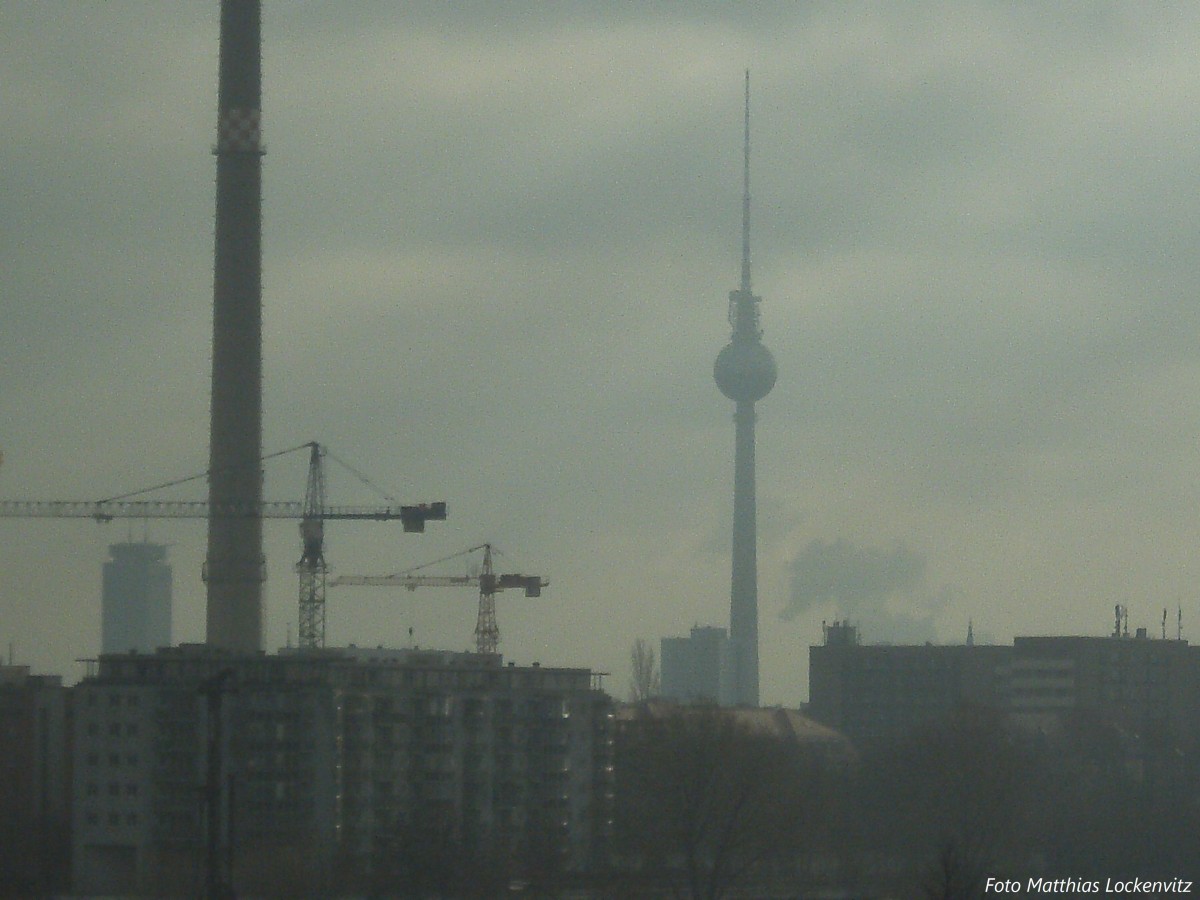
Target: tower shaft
(743,592)
(234,567)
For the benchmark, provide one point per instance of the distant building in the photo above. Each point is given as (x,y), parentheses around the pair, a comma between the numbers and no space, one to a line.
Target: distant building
(135,608)
(34,781)
(1146,690)
(789,725)
(881,691)
(698,668)
(337,760)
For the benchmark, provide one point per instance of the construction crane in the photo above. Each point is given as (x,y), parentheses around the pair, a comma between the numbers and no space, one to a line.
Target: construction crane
(312,513)
(487,632)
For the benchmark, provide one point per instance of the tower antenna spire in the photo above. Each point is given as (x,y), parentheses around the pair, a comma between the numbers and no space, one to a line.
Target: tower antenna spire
(746,196)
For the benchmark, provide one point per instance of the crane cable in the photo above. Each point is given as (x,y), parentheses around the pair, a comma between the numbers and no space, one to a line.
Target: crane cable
(204,474)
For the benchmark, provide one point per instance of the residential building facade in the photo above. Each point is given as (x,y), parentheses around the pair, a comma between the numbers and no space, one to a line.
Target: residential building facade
(329,762)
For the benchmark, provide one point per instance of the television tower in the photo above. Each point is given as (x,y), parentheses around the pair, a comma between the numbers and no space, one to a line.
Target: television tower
(745,373)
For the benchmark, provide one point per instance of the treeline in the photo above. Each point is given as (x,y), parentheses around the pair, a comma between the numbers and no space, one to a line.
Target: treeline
(708,807)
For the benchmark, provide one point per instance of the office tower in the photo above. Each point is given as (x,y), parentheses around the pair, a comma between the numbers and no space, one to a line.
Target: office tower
(135,607)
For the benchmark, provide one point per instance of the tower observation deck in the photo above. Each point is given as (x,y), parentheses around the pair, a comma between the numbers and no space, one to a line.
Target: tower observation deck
(745,373)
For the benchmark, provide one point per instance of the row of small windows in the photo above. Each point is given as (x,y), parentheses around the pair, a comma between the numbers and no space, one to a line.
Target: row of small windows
(115,729)
(114,759)
(114,789)
(114,699)
(114,819)
(443,706)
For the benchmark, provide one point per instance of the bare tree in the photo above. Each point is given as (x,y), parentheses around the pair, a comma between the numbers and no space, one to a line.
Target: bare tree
(952,801)
(707,804)
(645,681)
(956,875)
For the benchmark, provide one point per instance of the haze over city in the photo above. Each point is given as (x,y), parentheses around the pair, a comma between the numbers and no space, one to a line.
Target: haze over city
(498,244)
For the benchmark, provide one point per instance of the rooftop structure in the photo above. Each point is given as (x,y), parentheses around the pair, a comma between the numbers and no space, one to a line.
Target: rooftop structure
(788,725)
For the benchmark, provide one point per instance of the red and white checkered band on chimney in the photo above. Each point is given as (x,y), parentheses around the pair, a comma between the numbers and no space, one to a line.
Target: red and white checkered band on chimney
(240,131)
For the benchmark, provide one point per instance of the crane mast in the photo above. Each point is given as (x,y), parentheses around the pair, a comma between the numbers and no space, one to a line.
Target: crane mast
(487,632)
(312,568)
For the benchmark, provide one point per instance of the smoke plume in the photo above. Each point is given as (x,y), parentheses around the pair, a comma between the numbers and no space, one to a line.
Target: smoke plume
(882,590)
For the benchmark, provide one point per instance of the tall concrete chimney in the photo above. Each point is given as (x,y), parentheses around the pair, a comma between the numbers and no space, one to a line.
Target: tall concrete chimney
(234,569)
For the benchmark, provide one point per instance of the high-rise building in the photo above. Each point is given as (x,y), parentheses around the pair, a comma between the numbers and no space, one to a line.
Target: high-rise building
(698,668)
(333,766)
(745,373)
(135,606)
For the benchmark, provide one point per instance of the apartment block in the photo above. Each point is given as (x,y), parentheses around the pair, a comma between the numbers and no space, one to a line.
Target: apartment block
(328,761)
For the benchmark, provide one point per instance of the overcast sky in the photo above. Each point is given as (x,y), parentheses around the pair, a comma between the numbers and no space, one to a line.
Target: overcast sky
(499,241)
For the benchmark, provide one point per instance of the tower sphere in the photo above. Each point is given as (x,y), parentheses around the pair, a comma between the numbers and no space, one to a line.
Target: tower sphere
(745,370)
